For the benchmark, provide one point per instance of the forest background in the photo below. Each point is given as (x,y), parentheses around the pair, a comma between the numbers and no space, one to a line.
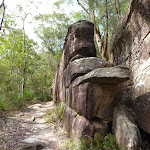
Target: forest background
(27,63)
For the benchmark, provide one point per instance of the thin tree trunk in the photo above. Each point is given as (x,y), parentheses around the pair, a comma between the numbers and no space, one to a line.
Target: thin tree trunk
(96,29)
(91,8)
(99,41)
(12,62)
(104,54)
(118,3)
(24,52)
(117,7)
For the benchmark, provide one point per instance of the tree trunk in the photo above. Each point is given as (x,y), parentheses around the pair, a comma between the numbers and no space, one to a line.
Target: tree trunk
(104,53)
(12,62)
(118,3)
(24,52)
(98,38)
(99,41)
(117,7)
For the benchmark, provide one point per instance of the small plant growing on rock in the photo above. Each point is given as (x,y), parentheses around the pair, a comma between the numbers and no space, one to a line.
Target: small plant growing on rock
(109,142)
(0,140)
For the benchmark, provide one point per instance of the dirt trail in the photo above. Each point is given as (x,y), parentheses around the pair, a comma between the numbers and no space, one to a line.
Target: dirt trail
(28,130)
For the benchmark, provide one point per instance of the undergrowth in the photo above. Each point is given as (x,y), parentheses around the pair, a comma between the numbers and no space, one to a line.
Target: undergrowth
(96,143)
(54,114)
(0,140)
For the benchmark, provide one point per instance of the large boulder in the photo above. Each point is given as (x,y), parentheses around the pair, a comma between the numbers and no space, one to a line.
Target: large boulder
(82,129)
(125,130)
(130,46)
(79,40)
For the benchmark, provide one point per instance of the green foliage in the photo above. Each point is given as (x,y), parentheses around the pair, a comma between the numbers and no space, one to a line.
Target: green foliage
(2,106)
(20,62)
(70,145)
(0,140)
(109,142)
(17,61)
(54,114)
(52,30)
(96,143)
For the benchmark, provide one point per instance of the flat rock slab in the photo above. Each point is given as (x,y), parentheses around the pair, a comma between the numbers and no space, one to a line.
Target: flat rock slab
(111,75)
(83,66)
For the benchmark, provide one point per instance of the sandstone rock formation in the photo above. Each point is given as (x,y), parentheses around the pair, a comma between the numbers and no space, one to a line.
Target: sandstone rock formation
(85,84)
(126,132)
(130,46)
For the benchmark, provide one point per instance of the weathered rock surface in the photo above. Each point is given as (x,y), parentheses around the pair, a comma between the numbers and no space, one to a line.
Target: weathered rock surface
(82,66)
(93,100)
(79,40)
(112,75)
(126,132)
(68,118)
(76,126)
(141,109)
(86,84)
(130,46)
(101,127)
(82,32)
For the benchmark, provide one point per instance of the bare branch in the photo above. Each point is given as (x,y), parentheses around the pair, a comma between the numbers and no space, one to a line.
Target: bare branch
(83,7)
(2,5)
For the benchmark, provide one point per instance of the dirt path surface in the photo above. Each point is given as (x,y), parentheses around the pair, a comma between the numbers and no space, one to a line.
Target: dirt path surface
(28,131)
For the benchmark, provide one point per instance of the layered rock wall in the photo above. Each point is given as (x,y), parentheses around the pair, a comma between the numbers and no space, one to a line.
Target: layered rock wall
(130,46)
(85,84)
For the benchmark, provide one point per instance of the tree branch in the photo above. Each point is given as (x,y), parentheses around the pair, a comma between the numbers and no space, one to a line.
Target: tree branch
(2,5)
(83,7)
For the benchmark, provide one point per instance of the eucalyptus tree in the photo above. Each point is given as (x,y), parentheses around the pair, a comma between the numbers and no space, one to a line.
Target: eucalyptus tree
(23,15)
